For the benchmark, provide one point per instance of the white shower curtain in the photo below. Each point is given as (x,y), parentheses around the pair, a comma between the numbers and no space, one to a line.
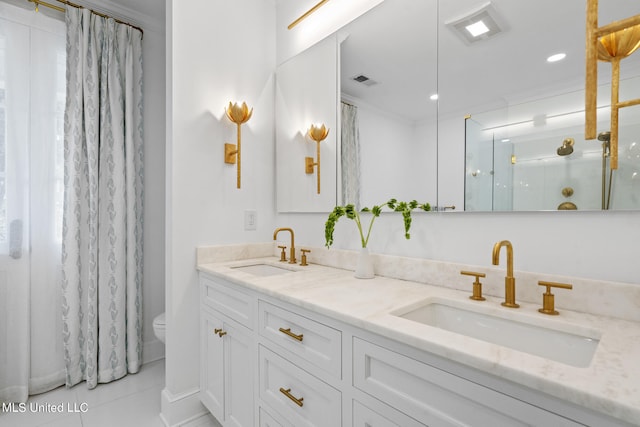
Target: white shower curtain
(102,224)
(32,90)
(350,155)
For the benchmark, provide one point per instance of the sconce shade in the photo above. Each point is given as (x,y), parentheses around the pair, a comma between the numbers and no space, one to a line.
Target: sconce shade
(238,114)
(318,133)
(619,44)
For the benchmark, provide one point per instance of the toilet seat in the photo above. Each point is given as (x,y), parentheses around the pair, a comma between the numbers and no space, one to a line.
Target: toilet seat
(159,326)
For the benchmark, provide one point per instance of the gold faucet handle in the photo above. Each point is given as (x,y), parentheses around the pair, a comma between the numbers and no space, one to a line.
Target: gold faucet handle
(283,254)
(548,299)
(303,260)
(477,286)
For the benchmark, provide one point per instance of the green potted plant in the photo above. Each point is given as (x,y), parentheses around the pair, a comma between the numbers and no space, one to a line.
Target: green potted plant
(365,266)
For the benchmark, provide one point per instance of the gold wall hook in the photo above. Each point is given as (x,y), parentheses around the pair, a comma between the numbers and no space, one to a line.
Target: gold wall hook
(318,134)
(238,114)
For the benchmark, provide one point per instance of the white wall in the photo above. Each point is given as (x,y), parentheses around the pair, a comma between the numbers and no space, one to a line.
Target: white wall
(218,51)
(153,51)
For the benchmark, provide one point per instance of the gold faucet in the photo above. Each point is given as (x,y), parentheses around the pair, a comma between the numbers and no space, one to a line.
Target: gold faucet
(509,280)
(292,258)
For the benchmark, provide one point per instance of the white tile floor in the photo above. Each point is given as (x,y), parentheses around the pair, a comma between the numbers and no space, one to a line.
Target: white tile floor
(133,401)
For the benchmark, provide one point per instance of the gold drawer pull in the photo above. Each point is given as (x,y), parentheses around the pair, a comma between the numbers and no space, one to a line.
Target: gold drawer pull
(220,332)
(291,334)
(287,393)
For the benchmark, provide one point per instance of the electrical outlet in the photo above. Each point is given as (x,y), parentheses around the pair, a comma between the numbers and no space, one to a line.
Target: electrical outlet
(250,220)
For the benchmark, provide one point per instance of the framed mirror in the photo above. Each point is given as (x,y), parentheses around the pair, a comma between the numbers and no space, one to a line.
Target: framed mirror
(307,94)
(412,147)
(386,72)
(522,114)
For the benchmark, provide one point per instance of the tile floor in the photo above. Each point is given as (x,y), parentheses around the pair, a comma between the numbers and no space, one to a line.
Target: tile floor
(133,401)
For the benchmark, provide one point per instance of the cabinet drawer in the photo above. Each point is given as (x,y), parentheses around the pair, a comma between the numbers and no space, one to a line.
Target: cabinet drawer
(266,420)
(302,399)
(222,297)
(364,416)
(436,397)
(314,342)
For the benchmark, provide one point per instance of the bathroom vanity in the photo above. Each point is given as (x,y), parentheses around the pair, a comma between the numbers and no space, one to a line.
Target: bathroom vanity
(285,345)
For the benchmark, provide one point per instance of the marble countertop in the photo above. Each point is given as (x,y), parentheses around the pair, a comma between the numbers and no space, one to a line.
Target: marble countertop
(610,384)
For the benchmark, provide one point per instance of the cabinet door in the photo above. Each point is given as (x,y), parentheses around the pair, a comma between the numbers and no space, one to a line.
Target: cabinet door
(211,364)
(238,375)
(226,370)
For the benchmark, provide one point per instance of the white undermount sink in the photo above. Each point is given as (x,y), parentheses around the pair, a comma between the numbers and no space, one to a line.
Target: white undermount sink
(567,344)
(262,269)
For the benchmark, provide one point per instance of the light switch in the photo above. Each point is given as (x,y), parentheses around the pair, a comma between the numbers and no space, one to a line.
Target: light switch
(250,220)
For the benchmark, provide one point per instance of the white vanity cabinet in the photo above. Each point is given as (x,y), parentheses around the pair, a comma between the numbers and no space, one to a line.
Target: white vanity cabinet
(270,363)
(227,353)
(296,353)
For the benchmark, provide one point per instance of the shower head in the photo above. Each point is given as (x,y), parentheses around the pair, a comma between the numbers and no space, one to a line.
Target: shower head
(604,136)
(566,148)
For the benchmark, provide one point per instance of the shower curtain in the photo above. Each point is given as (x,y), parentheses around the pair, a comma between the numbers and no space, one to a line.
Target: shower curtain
(32,90)
(102,222)
(350,155)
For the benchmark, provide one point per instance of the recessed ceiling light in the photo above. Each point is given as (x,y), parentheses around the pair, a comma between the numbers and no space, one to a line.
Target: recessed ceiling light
(480,23)
(477,28)
(506,140)
(557,57)
(434,97)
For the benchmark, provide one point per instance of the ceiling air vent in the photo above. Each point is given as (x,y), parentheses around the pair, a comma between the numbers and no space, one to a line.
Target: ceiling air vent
(361,78)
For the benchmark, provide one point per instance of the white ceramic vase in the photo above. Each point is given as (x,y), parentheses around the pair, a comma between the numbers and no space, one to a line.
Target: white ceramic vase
(364,267)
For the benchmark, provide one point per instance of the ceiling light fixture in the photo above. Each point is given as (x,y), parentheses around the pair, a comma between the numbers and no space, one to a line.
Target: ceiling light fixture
(307,13)
(477,28)
(479,24)
(556,57)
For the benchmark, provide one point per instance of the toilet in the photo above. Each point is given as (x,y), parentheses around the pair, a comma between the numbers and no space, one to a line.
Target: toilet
(159,327)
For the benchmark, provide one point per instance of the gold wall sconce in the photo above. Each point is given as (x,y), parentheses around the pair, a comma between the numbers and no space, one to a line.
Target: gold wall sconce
(238,114)
(318,134)
(610,43)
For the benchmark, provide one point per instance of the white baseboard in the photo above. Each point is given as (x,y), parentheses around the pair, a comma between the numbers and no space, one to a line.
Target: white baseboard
(179,409)
(152,351)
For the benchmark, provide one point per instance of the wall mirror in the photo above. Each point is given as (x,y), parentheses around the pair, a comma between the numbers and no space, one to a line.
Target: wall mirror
(306,94)
(386,74)
(388,82)
(525,146)
(416,148)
